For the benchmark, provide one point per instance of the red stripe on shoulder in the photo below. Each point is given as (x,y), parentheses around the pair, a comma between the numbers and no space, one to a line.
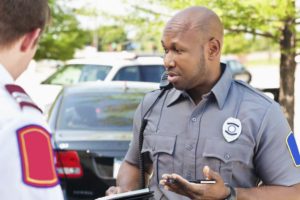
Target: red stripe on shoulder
(37,157)
(19,94)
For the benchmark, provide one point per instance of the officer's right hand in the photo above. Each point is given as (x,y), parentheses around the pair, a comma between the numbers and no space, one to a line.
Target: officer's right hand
(182,186)
(114,190)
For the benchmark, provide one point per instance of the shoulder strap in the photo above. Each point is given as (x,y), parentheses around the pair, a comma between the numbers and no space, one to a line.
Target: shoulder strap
(148,102)
(19,94)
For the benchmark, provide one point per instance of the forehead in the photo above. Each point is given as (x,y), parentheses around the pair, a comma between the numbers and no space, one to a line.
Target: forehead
(179,34)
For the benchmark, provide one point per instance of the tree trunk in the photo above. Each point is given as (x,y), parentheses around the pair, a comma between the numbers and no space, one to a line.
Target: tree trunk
(287,69)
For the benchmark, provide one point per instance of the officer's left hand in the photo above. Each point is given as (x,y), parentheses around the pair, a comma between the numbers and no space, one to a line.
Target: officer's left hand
(195,190)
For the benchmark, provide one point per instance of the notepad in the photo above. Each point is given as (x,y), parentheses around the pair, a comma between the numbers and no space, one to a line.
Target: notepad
(131,195)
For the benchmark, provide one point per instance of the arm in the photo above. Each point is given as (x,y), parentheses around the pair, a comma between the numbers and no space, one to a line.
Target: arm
(270,192)
(220,191)
(128,179)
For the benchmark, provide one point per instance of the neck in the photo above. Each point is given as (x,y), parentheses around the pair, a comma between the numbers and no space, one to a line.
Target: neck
(10,59)
(197,92)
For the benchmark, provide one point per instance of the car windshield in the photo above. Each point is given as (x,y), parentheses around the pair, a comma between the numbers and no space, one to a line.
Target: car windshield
(98,111)
(75,73)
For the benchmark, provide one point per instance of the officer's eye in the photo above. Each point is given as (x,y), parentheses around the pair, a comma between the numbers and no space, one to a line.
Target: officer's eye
(178,51)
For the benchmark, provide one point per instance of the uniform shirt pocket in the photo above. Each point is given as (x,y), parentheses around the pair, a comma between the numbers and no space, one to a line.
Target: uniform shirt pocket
(228,159)
(161,150)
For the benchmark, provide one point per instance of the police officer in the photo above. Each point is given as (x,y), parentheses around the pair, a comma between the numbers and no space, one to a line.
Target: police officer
(210,126)
(26,157)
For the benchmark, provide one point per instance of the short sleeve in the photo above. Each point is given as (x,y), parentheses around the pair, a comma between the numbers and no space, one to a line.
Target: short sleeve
(273,161)
(132,155)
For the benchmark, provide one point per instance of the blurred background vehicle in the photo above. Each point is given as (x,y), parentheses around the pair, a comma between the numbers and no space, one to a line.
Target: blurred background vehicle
(112,66)
(92,127)
(109,67)
(124,67)
(103,66)
(238,70)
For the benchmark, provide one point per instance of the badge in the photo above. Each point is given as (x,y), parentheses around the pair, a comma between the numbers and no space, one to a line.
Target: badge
(232,129)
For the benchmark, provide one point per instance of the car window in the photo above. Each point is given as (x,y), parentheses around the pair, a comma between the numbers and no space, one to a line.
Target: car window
(235,66)
(151,73)
(94,73)
(101,111)
(130,73)
(145,73)
(71,74)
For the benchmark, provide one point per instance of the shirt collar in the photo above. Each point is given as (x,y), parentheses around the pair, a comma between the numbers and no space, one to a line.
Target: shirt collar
(174,96)
(220,89)
(6,78)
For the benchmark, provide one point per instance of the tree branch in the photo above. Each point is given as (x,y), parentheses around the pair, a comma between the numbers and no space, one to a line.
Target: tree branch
(266,34)
(147,10)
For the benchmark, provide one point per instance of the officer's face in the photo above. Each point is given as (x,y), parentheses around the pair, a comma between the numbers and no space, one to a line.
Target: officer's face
(185,58)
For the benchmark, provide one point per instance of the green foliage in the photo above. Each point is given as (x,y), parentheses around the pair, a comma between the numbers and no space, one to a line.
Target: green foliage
(244,43)
(108,36)
(257,18)
(62,37)
(146,23)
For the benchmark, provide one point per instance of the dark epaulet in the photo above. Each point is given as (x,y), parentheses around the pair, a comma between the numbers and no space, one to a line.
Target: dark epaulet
(19,94)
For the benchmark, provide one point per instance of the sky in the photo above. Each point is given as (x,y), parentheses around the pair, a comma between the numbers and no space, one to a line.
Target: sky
(113,7)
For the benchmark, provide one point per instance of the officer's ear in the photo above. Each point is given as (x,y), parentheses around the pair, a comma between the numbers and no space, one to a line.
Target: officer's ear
(214,48)
(30,39)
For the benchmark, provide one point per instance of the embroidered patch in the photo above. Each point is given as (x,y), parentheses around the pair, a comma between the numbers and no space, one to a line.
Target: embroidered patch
(21,96)
(36,156)
(293,148)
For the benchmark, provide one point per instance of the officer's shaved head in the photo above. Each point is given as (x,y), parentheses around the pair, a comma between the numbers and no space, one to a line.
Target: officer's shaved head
(200,19)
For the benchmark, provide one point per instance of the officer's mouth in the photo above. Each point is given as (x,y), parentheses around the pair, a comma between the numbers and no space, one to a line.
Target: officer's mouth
(172,76)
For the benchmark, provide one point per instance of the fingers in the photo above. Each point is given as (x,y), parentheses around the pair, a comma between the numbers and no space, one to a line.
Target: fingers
(112,190)
(172,179)
(176,183)
(209,174)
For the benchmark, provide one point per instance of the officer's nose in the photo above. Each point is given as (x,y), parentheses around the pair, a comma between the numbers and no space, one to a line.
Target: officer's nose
(169,60)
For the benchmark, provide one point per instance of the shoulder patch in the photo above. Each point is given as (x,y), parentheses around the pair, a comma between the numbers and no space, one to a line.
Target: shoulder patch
(293,148)
(19,94)
(36,156)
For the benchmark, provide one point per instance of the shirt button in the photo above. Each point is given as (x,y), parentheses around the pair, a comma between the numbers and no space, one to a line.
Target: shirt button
(194,119)
(189,147)
(227,156)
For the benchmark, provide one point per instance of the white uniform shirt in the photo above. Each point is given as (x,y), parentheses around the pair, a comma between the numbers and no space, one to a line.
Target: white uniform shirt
(26,156)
